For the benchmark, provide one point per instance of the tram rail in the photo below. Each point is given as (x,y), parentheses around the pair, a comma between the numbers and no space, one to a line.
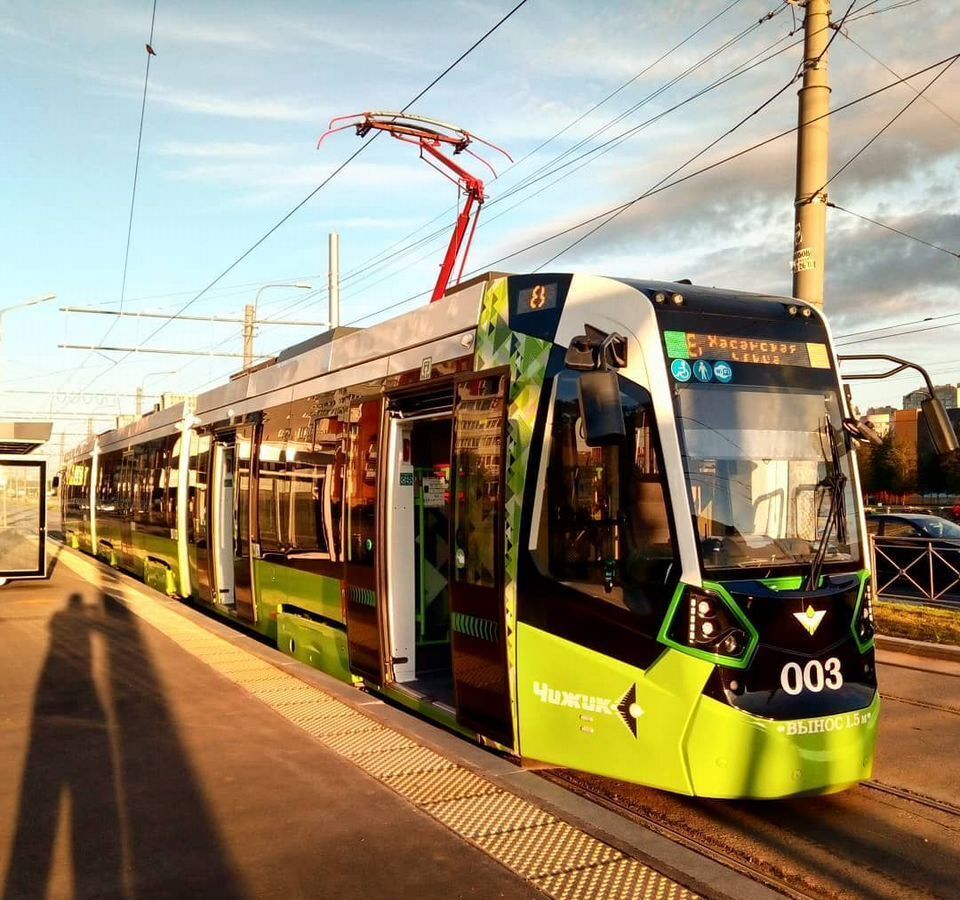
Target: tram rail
(923,704)
(749,865)
(573,781)
(916,797)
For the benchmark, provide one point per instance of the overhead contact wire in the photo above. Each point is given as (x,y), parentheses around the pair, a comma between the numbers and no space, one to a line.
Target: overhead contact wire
(315,191)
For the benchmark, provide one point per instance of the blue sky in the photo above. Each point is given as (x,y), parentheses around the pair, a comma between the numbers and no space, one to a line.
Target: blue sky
(239,93)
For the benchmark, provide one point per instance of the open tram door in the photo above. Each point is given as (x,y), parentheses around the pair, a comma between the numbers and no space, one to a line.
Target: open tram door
(361,553)
(229,537)
(417,527)
(478,618)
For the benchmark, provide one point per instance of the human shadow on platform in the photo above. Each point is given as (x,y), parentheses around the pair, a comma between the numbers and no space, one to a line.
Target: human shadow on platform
(137,824)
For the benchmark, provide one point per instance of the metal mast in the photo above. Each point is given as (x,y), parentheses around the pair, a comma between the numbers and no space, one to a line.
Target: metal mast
(810,216)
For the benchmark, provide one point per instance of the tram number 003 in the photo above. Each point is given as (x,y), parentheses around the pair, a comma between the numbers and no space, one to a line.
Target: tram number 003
(814,676)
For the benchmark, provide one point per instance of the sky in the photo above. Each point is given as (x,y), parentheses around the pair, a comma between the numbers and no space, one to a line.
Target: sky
(239,93)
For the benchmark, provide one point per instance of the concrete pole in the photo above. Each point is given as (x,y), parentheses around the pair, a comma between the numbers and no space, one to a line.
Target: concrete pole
(333,282)
(810,217)
(138,402)
(249,312)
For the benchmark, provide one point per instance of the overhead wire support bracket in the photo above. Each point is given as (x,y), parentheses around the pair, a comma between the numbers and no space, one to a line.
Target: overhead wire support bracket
(431,136)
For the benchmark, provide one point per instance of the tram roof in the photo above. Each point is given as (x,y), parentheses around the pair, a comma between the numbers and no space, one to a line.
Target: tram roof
(391,341)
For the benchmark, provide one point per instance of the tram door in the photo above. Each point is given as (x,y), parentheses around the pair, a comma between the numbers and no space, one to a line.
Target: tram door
(481,675)
(231,582)
(242,561)
(417,510)
(359,587)
(222,475)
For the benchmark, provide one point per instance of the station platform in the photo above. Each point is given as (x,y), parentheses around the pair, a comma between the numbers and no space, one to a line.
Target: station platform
(149,750)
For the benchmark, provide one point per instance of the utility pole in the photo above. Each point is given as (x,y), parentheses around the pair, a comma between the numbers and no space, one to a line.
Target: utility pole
(333,280)
(810,215)
(138,402)
(249,314)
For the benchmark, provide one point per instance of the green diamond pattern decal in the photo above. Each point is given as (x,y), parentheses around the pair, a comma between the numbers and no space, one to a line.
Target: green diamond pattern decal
(475,626)
(498,345)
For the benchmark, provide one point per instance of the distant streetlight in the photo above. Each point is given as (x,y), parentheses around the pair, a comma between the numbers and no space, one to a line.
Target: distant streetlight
(6,309)
(250,317)
(143,381)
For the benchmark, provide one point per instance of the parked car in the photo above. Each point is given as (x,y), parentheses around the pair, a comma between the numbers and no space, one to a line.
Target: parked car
(911,525)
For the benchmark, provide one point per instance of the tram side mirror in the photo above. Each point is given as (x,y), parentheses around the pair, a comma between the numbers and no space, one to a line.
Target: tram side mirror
(942,435)
(600,410)
(55,482)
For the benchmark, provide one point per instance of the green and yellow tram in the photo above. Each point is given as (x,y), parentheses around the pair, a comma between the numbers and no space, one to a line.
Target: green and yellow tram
(607,524)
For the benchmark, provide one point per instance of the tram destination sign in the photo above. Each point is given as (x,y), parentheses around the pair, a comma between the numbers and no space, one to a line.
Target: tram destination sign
(757,351)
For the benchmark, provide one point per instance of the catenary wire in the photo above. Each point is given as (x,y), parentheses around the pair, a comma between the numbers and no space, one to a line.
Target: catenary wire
(852,18)
(889,123)
(883,225)
(900,80)
(136,178)
(880,62)
(740,153)
(376,257)
(595,152)
(364,271)
(316,190)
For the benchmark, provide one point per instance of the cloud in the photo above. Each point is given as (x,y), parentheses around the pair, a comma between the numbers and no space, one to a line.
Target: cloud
(272,109)
(8,29)
(218,150)
(268,181)
(367,223)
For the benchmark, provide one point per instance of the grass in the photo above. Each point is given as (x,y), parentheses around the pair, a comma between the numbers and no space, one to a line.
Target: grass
(919,623)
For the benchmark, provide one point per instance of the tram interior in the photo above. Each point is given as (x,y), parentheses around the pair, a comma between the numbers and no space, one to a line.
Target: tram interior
(420,558)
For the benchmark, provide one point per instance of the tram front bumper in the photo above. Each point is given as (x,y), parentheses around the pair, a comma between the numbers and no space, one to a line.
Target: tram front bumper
(732,754)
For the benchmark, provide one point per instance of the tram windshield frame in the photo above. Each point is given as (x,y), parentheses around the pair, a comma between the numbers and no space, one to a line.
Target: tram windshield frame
(756,457)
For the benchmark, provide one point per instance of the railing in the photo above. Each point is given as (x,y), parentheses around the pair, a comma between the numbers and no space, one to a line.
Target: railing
(925,570)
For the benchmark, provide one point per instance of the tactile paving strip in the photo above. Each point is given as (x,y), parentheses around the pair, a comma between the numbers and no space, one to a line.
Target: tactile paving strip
(561,860)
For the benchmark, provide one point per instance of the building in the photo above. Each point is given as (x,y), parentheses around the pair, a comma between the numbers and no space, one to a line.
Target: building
(949,395)
(881,419)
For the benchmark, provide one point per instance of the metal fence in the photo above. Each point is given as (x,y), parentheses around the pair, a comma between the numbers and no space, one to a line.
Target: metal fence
(925,570)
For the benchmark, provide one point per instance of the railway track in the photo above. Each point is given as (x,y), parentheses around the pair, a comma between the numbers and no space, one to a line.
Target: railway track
(915,797)
(753,865)
(751,869)
(923,704)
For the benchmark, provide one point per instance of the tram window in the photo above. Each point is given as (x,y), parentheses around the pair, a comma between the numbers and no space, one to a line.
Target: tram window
(268,517)
(478,454)
(108,485)
(172,482)
(144,472)
(124,495)
(609,530)
(159,460)
(307,490)
(327,442)
(362,505)
(271,482)
(197,489)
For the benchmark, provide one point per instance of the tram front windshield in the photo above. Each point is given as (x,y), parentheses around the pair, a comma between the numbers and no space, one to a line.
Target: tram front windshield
(757,461)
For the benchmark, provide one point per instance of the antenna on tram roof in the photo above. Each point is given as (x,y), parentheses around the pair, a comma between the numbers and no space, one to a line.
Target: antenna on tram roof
(430,135)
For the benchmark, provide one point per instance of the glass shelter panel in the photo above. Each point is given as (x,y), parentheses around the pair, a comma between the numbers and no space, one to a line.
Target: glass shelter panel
(22,518)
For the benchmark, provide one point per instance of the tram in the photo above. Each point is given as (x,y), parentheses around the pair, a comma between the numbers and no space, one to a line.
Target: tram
(605,524)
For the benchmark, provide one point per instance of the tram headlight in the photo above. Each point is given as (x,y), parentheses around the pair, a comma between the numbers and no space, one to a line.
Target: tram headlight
(703,622)
(864,624)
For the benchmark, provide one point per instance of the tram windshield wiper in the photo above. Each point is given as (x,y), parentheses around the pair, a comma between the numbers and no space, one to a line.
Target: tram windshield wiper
(835,481)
